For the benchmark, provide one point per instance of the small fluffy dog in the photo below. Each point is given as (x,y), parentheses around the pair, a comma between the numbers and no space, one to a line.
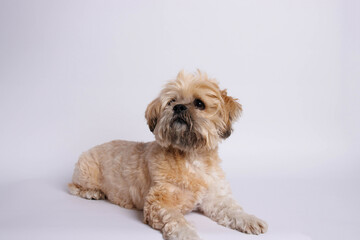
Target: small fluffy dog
(180,171)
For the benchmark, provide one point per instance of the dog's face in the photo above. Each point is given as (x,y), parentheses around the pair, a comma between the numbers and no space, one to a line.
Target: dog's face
(192,113)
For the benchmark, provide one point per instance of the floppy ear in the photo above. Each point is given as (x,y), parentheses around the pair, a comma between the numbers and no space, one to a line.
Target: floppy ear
(232,111)
(152,113)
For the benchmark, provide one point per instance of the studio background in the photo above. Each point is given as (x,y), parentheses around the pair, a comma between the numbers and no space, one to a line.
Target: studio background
(74,74)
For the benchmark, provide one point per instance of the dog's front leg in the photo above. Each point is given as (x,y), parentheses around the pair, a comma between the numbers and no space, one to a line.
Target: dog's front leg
(220,206)
(163,210)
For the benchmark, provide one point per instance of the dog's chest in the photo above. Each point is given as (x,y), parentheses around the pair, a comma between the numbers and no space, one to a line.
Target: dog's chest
(188,179)
(197,170)
(192,176)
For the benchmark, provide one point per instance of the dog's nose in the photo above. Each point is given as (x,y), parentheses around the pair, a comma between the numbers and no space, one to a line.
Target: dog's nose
(178,108)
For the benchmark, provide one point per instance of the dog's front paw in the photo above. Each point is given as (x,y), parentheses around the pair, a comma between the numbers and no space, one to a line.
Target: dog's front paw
(250,224)
(175,231)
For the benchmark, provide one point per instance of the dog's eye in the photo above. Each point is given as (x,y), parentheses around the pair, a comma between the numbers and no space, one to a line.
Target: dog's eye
(171,101)
(199,104)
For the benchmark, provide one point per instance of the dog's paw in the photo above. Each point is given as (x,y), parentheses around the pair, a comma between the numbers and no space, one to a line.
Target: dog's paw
(180,232)
(250,224)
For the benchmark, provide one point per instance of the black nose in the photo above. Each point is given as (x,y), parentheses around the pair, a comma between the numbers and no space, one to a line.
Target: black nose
(178,108)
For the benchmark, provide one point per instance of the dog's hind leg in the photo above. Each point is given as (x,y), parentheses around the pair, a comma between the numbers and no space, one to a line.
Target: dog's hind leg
(86,178)
(93,194)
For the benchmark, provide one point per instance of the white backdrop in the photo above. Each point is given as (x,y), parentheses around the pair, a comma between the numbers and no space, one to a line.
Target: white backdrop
(74,74)
(77,73)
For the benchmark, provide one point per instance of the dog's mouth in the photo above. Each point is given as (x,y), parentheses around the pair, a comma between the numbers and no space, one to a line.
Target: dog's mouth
(179,121)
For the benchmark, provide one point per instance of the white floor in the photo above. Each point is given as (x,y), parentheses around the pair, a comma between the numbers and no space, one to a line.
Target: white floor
(294,210)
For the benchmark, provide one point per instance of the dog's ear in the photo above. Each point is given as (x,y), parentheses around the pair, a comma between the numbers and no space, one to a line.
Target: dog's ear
(232,111)
(152,113)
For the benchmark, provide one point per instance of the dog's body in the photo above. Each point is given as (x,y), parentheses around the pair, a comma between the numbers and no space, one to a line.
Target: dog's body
(177,173)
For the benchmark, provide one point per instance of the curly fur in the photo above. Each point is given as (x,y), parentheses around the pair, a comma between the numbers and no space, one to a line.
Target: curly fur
(177,173)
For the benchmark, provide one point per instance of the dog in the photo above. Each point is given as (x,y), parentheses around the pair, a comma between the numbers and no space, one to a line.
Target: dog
(177,173)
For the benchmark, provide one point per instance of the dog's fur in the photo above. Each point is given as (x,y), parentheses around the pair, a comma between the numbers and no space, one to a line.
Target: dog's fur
(177,173)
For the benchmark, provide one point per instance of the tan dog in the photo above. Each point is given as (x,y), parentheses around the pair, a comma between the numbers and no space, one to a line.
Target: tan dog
(177,173)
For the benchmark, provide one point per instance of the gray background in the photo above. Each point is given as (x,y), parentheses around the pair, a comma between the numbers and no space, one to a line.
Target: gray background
(74,74)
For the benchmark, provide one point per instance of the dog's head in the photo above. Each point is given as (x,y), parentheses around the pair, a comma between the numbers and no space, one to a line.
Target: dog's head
(191,112)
